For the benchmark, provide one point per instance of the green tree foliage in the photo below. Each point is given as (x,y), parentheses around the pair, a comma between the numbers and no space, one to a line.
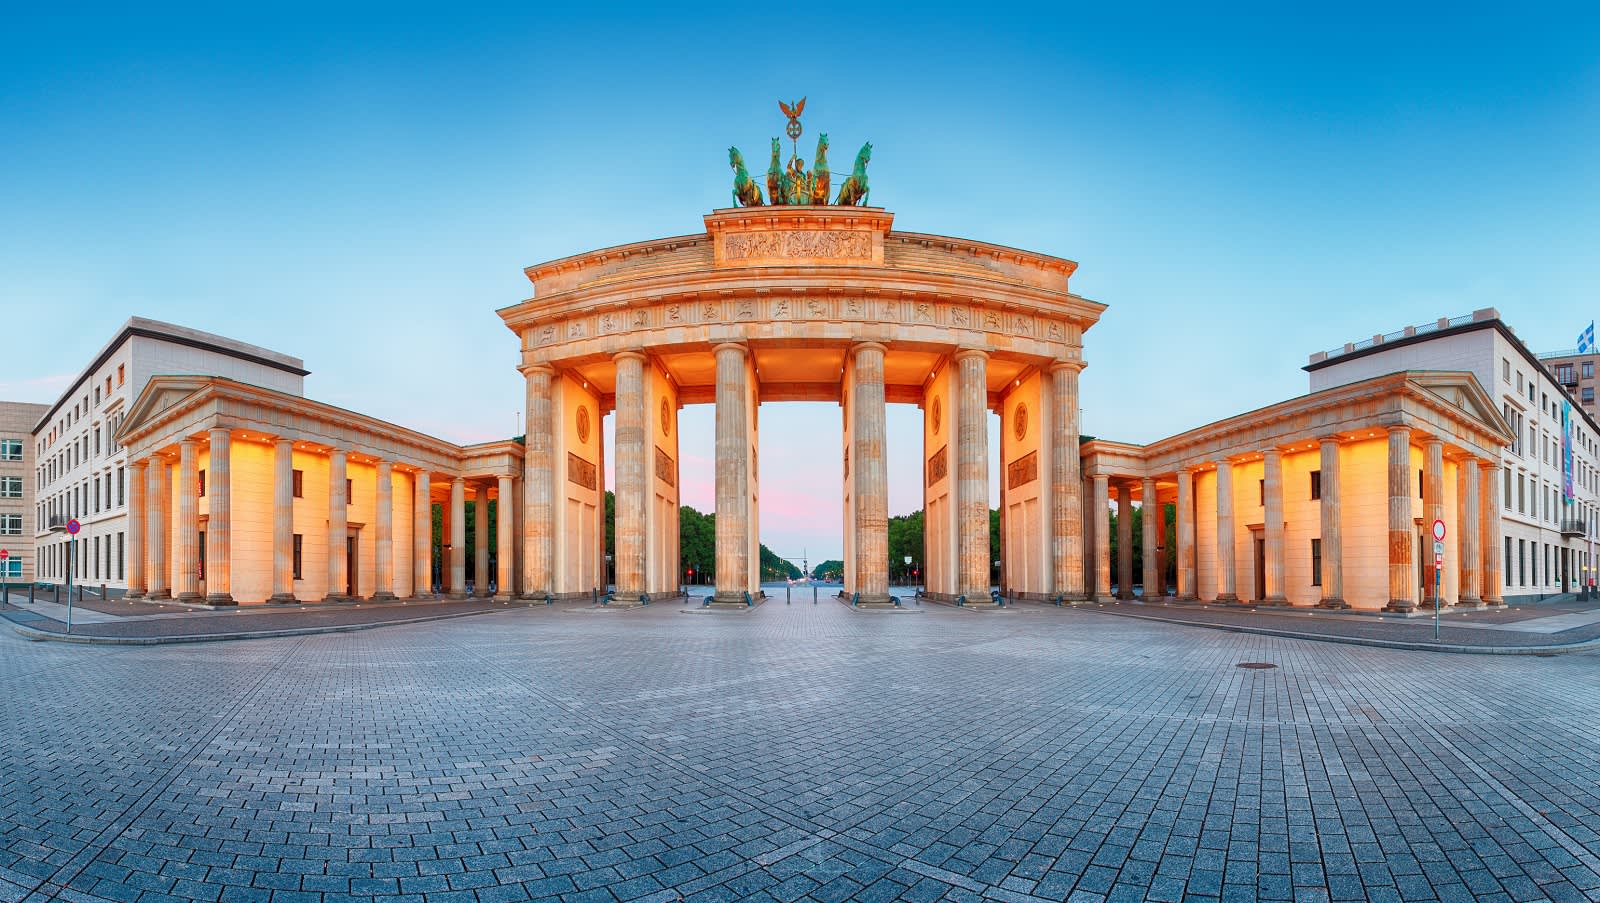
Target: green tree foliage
(697,544)
(832,569)
(905,539)
(776,568)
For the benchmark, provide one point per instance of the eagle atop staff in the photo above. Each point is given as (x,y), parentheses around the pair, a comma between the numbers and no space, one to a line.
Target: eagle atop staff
(794,111)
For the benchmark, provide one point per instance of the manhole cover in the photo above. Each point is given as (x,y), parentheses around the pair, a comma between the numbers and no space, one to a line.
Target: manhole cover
(1256,666)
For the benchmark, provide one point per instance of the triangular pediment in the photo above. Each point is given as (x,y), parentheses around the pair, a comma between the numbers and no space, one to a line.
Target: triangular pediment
(160,393)
(1461,390)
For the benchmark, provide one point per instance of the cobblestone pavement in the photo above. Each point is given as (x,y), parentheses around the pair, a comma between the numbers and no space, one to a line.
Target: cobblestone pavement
(795,753)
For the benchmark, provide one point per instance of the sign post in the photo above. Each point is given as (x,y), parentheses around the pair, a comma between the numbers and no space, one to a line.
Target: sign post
(72,556)
(5,576)
(1438,571)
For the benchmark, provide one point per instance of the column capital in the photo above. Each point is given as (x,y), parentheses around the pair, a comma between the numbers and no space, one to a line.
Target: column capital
(630,354)
(961,354)
(1335,439)
(1431,441)
(865,346)
(541,369)
(1074,366)
(1399,430)
(1487,464)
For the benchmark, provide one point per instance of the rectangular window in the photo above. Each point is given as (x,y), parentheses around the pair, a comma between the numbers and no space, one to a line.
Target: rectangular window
(299,481)
(121,487)
(10,449)
(349,490)
(1588,369)
(121,373)
(1522,494)
(97,558)
(13,566)
(10,525)
(1316,562)
(1316,485)
(1422,491)
(202,476)
(10,487)
(297,537)
(122,561)
(1505,369)
(1261,491)
(1588,394)
(97,495)
(1508,490)
(1522,562)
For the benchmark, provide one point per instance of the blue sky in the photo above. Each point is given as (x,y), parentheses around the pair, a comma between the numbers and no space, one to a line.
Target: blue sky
(361,187)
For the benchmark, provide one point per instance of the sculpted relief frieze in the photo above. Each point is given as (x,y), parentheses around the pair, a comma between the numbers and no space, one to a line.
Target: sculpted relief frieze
(831,245)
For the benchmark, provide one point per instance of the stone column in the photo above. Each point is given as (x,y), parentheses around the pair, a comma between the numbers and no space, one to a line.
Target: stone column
(1468,546)
(1332,541)
(383,540)
(135,539)
(1124,540)
(1150,517)
(338,528)
(422,536)
(1066,482)
(1432,504)
(480,540)
(187,578)
(538,509)
(156,534)
(505,548)
(1272,488)
(1227,565)
(733,476)
(1489,531)
(1186,559)
(282,522)
(458,538)
(869,472)
(1102,537)
(1402,532)
(219,525)
(633,487)
(972,474)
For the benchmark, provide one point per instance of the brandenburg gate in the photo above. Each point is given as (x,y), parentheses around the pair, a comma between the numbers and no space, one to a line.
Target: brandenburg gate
(803,303)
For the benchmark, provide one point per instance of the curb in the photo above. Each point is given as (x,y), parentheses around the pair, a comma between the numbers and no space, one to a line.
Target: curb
(1456,648)
(89,640)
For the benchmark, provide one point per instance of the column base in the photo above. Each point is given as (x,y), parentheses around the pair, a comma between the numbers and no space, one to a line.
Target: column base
(455,597)
(1401,606)
(384,596)
(873,600)
(732,600)
(282,599)
(1276,602)
(1226,599)
(220,599)
(1333,603)
(189,597)
(333,600)
(500,597)
(1494,603)
(1186,597)
(133,594)
(159,594)
(1468,602)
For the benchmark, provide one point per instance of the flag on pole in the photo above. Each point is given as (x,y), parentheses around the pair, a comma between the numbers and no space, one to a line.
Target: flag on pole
(1586,339)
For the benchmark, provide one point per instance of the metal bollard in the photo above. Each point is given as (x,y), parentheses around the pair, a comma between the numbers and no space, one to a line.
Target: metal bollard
(855,600)
(30,594)
(102,592)
(58,594)
(813,595)
(788,594)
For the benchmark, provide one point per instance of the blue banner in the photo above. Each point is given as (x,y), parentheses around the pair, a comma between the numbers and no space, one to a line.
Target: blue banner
(1566,450)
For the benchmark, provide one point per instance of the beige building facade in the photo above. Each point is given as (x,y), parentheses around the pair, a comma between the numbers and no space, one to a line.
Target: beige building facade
(19,485)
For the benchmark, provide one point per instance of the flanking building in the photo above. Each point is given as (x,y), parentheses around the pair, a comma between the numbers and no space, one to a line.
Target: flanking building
(79,469)
(18,484)
(1574,371)
(1548,494)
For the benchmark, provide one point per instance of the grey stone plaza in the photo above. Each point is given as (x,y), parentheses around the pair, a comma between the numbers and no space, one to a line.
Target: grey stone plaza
(795,752)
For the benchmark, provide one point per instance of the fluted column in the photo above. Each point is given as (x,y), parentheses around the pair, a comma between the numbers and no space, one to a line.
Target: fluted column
(1067,482)
(480,539)
(505,548)
(1124,540)
(282,521)
(219,523)
(1468,545)
(869,473)
(135,530)
(1186,552)
(1227,565)
(733,475)
(1149,517)
(1332,540)
(972,474)
(187,578)
(1272,488)
(1402,532)
(339,582)
(1489,531)
(422,536)
(538,504)
(458,538)
(383,538)
(1102,536)
(633,489)
(1432,505)
(157,536)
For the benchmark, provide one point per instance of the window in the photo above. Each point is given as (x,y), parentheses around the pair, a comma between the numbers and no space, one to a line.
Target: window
(1507,474)
(10,449)
(122,561)
(1588,394)
(1505,369)
(97,495)
(10,525)
(1519,382)
(1508,561)
(11,567)
(1522,562)
(299,480)
(1316,486)
(1422,490)
(1588,369)
(10,487)
(349,490)
(1261,491)
(202,476)
(121,487)
(1316,562)
(121,373)
(97,441)
(96,572)
(1522,494)
(297,538)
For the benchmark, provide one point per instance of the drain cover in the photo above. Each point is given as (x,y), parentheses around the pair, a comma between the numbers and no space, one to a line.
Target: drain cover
(1256,666)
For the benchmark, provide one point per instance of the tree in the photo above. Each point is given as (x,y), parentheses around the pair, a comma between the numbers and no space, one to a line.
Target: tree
(906,537)
(773,567)
(697,544)
(832,569)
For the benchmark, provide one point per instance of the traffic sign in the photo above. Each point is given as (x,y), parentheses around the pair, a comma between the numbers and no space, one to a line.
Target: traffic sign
(73,526)
(1438,531)
(1438,548)
(4,554)
(1438,561)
